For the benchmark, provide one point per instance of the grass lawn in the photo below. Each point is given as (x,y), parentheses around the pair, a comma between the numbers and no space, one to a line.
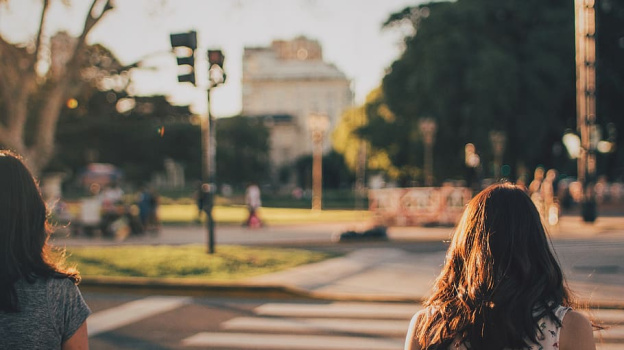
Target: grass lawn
(189,261)
(185,213)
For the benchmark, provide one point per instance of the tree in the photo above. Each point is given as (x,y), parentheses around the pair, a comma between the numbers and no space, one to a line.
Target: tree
(24,81)
(137,140)
(368,126)
(242,150)
(481,65)
(610,83)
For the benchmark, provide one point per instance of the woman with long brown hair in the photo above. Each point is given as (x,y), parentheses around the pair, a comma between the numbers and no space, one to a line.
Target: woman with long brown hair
(40,304)
(501,286)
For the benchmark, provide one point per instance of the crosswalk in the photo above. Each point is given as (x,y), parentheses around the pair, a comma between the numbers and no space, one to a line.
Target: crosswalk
(336,326)
(308,325)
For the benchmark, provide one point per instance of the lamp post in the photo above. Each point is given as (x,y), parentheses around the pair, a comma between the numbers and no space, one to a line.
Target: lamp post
(498,139)
(317,125)
(585,20)
(472,161)
(427,128)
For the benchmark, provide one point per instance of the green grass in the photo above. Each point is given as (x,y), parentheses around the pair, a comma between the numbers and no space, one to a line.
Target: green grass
(189,261)
(185,213)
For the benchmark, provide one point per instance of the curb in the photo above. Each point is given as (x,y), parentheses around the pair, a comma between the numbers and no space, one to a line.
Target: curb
(188,287)
(195,288)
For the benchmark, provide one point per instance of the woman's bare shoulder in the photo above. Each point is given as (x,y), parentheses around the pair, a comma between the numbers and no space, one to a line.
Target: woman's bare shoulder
(411,343)
(577,332)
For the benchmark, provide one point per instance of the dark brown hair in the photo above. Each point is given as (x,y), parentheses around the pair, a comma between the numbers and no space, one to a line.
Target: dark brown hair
(500,276)
(24,232)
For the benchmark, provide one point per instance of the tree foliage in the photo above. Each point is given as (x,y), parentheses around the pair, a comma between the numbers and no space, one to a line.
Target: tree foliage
(31,97)
(365,126)
(478,66)
(137,140)
(481,65)
(242,150)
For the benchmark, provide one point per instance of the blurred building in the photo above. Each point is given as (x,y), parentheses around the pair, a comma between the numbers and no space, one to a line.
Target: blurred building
(290,81)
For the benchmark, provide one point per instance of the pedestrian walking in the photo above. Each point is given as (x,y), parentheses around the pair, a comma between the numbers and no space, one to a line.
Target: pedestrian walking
(501,286)
(253,202)
(148,209)
(40,304)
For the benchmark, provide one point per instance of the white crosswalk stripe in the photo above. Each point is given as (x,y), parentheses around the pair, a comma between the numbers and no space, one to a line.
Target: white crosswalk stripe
(340,309)
(290,341)
(344,325)
(131,312)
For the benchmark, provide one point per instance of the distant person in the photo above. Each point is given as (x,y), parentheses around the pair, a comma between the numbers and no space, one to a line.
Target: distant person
(538,178)
(153,218)
(144,203)
(40,304)
(90,218)
(199,200)
(112,195)
(501,286)
(253,202)
(148,206)
(535,191)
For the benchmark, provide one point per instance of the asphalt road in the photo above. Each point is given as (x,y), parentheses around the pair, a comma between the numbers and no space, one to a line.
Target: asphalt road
(155,322)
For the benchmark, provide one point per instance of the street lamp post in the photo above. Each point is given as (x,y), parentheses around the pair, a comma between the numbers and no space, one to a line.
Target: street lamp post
(427,128)
(317,125)
(585,20)
(498,139)
(472,161)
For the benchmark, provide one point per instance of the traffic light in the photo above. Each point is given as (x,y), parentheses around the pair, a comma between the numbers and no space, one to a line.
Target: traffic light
(215,57)
(184,46)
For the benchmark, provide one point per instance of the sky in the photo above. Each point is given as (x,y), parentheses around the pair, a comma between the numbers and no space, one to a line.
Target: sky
(349,31)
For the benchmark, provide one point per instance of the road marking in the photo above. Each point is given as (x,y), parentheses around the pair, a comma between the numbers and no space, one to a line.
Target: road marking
(391,328)
(292,342)
(340,310)
(131,312)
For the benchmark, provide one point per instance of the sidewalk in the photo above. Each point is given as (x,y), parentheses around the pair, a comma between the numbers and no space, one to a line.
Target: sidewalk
(366,274)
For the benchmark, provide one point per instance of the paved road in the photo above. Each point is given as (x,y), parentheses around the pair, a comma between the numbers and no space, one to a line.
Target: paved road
(166,322)
(403,268)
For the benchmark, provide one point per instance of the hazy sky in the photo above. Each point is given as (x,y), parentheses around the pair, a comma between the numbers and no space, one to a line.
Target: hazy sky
(348,30)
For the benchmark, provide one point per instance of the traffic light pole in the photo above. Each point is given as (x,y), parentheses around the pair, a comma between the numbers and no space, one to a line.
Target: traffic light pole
(185,45)
(209,173)
(215,59)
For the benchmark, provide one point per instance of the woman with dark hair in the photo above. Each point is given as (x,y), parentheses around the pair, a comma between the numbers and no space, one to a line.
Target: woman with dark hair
(40,304)
(501,287)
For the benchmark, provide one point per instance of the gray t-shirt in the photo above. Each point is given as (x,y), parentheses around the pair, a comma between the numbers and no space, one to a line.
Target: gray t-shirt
(51,311)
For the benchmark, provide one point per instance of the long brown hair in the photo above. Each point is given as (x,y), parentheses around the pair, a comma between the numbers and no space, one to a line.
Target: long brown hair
(500,276)
(24,232)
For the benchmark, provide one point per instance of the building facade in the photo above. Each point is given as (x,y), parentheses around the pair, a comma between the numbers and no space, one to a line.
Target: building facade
(290,78)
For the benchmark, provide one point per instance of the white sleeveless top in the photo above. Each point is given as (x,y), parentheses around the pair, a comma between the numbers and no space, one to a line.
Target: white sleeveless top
(548,338)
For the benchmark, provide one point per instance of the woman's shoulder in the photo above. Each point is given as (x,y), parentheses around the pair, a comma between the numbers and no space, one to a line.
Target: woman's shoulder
(60,285)
(576,332)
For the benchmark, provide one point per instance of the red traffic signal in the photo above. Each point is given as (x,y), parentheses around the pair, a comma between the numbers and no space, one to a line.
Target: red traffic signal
(216,57)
